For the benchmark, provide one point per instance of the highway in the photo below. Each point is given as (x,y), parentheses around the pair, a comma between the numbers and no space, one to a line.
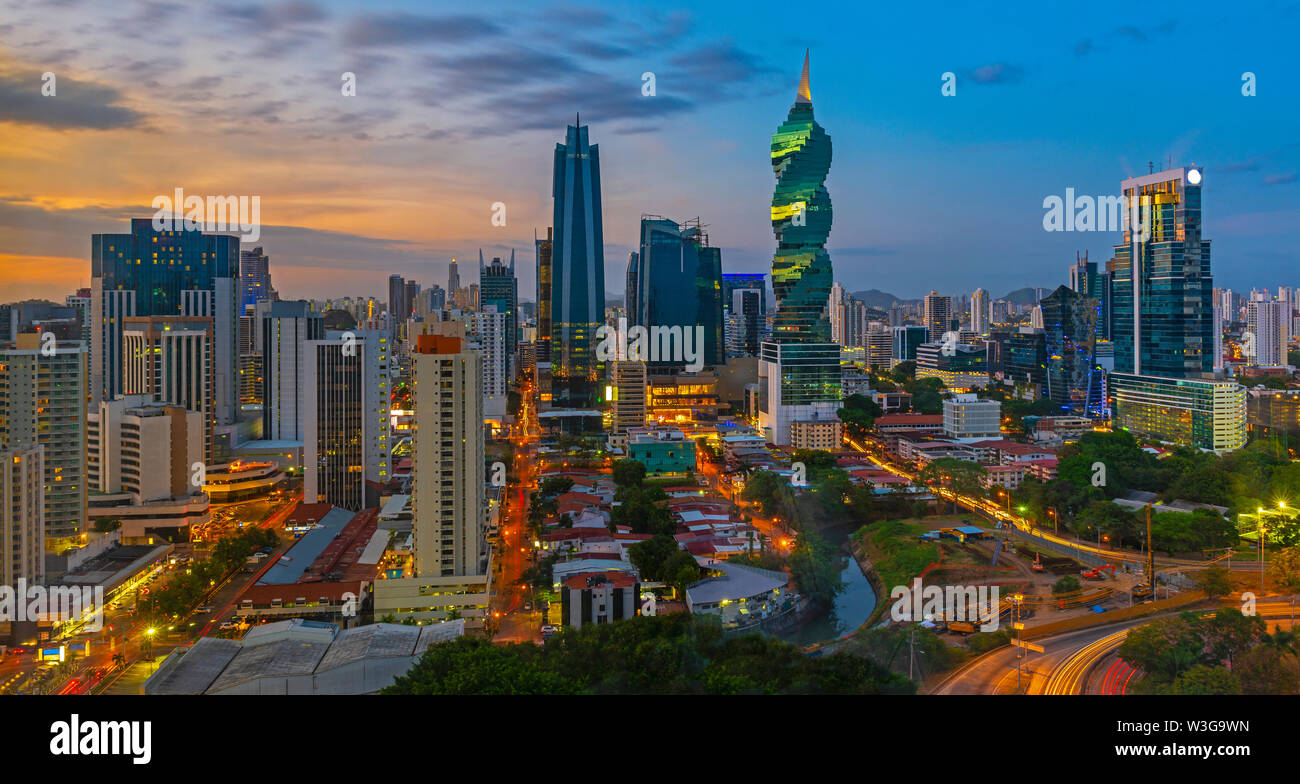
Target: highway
(1079,662)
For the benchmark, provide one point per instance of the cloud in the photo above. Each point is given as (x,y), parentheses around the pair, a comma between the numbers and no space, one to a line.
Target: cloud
(75,104)
(1280,179)
(996,73)
(395,29)
(276,15)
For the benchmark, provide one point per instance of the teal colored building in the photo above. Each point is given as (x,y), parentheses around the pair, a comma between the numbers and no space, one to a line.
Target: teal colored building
(662,452)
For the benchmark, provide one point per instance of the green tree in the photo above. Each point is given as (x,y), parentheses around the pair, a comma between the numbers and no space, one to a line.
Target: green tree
(1284,568)
(1067,584)
(1215,581)
(628,473)
(649,556)
(1204,679)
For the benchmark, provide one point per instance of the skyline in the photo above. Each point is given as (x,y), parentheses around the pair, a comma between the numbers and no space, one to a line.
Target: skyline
(456,112)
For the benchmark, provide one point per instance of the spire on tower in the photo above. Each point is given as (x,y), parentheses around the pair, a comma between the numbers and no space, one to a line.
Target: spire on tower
(805,92)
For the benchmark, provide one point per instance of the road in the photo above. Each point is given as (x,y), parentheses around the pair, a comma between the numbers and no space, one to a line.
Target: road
(514,550)
(1079,662)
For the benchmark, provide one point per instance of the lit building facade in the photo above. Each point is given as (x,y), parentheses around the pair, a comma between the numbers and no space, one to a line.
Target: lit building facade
(1205,414)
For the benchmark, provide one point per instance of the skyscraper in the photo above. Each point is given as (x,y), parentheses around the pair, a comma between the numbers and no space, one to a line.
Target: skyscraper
(799,378)
(577,272)
(1268,330)
(334,422)
(43,402)
(254,277)
(1161,283)
(22,515)
(1074,381)
(499,288)
(453,280)
(801,221)
(631,288)
(680,284)
(980,312)
(286,327)
(164,273)
(169,359)
(447,477)
(937,314)
(397,310)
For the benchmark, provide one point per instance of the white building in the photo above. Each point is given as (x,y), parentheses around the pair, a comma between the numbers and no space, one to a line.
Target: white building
(1269,322)
(981,312)
(447,475)
(145,467)
(965,416)
(487,333)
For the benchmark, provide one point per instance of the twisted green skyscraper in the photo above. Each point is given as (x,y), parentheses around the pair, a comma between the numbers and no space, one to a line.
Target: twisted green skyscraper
(801,220)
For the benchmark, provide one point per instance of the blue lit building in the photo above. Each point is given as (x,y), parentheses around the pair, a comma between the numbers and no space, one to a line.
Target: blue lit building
(164,273)
(577,271)
(680,284)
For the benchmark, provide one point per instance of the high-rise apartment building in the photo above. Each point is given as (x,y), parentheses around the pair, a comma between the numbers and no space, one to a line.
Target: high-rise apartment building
(286,327)
(487,334)
(453,280)
(447,472)
(981,312)
(43,402)
(499,289)
(169,359)
(22,514)
(1268,331)
(937,314)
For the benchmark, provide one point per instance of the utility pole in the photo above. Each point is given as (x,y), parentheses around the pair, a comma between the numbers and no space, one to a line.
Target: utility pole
(1151,557)
(911,656)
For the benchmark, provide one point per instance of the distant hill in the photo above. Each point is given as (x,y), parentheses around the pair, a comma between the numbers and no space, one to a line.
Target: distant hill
(1025,296)
(875,298)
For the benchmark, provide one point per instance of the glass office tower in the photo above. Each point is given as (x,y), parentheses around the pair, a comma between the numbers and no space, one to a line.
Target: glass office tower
(1070,329)
(164,273)
(680,283)
(577,272)
(1162,318)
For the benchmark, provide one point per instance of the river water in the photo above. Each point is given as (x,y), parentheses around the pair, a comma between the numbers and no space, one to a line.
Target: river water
(852,607)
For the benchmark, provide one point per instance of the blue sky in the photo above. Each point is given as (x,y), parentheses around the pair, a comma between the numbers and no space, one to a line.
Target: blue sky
(459,106)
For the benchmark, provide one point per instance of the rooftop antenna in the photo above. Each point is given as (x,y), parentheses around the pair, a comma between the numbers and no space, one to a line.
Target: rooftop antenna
(1151,167)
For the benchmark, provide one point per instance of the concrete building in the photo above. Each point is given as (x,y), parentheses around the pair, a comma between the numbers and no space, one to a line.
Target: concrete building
(488,334)
(593,597)
(741,595)
(447,477)
(286,327)
(823,434)
(663,451)
(22,515)
(145,468)
(43,401)
(965,416)
(169,358)
(936,315)
(334,422)
(627,395)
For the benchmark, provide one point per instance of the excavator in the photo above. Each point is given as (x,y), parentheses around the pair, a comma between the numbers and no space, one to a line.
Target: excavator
(1095,574)
(1037,565)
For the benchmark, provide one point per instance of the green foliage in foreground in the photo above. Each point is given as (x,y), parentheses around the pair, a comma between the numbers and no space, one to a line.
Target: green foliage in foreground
(673,654)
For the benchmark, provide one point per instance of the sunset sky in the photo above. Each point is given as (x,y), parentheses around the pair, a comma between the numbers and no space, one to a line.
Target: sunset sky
(459,105)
